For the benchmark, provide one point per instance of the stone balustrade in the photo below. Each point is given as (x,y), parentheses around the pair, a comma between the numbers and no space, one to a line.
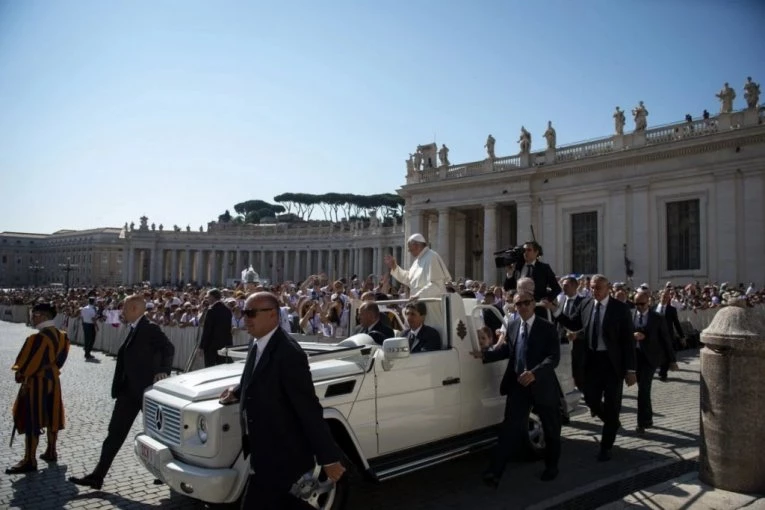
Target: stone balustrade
(664,134)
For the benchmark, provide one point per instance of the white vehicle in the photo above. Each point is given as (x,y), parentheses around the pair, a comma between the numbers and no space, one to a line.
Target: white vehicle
(391,412)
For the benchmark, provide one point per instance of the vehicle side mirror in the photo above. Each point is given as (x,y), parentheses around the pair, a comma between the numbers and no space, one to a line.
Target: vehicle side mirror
(394,348)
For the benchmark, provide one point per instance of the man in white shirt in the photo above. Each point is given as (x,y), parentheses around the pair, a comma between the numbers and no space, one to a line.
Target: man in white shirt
(88,315)
(426,278)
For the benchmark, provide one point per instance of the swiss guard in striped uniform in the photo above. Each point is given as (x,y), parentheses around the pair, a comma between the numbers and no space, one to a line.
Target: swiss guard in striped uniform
(39,404)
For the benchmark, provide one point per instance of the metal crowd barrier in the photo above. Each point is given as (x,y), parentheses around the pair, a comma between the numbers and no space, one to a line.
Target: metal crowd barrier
(14,313)
(109,338)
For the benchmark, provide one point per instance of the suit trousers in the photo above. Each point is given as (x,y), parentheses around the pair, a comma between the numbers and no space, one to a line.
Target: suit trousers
(212,358)
(89,334)
(644,374)
(514,431)
(126,409)
(603,394)
(265,494)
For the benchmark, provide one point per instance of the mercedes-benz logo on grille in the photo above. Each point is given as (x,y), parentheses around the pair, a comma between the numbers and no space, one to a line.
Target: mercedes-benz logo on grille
(158,418)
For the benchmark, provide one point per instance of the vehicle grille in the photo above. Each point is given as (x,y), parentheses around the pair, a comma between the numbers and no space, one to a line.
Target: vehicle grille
(162,422)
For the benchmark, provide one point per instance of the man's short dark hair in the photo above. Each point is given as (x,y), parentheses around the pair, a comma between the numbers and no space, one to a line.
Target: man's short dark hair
(46,309)
(537,247)
(571,280)
(215,294)
(371,307)
(418,307)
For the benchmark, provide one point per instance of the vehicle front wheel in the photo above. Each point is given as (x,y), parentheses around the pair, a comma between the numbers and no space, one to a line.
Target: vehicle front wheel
(320,492)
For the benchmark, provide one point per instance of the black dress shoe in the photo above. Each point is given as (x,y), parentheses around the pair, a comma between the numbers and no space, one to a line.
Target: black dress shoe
(18,469)
(640,430)
(49,457)
(549,474)
(604,456)
(490,480)
(87,481)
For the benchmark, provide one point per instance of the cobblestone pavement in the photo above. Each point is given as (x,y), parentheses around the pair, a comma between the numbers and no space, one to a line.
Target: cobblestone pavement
(453,485)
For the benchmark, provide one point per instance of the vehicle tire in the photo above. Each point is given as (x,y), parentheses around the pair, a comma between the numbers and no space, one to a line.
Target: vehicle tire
(536,437)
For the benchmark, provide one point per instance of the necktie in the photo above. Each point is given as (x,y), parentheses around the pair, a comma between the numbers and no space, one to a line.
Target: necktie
(254,352)
(413,341)
(129,336)
(596,327)
(528,270)
(567,306)
(520,349)
(640,320)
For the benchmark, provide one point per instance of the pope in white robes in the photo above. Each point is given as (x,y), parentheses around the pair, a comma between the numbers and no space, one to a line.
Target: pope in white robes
(427,277)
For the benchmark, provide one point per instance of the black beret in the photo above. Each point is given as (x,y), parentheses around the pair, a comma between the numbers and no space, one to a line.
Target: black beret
(46,308)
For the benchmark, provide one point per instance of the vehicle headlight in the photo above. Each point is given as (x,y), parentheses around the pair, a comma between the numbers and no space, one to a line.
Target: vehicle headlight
(202,428)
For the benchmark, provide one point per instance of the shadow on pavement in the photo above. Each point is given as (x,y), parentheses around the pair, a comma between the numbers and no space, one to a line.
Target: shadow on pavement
(49,489)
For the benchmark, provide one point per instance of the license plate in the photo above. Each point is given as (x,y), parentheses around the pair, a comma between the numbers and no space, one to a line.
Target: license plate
(150,457)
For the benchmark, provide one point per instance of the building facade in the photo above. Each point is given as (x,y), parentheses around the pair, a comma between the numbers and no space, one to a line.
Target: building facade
(143,253)
(278,252)
(679,202)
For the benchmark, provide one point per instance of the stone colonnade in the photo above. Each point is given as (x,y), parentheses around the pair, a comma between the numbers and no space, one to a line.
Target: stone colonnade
(467,236)
(219,265)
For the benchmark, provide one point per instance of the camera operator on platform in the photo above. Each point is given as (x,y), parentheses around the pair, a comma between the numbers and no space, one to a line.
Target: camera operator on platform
(545,283)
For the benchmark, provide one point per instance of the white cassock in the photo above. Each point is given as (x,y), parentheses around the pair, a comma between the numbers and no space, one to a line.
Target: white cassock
(426,278)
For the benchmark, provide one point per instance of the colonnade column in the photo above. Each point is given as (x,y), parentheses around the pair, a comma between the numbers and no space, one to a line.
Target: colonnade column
(444,215)
(173,267)
(238,269)
(460,245)
(130,273)
(413,225)
(274,273)
(153,266)
(489,243)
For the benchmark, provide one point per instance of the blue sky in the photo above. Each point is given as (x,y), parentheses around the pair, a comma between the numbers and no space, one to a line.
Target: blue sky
(179,109)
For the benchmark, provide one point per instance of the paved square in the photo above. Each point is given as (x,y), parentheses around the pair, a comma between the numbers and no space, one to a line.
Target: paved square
(453,485)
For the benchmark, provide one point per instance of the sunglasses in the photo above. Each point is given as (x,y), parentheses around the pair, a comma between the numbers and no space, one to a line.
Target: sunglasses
(252,312)
(525,302)
(642,303)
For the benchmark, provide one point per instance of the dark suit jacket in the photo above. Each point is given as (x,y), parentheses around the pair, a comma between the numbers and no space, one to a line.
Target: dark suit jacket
(617,331)
(429,339)
(379,331)
(283,415)
(491,320)
(542,355)
(673,322)
(148,353)
(545,282)
(656,345)
(216,331)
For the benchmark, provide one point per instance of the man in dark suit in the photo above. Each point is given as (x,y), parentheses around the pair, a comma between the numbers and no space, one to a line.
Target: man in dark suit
(370,323)
(490,319)
(610,358)
(533,350)
(653,345)
(669,312)
(284,432)
(545,283)
(422,338)
(216,330)
(145,357)
(567,306)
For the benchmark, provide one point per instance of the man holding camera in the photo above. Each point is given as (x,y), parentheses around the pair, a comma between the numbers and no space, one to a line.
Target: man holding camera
(545,283)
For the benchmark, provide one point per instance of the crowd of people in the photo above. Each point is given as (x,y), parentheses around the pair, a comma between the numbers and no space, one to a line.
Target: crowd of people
(619,334)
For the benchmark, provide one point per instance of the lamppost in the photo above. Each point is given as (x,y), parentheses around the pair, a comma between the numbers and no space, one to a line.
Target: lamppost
(67,268)
(36,268)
